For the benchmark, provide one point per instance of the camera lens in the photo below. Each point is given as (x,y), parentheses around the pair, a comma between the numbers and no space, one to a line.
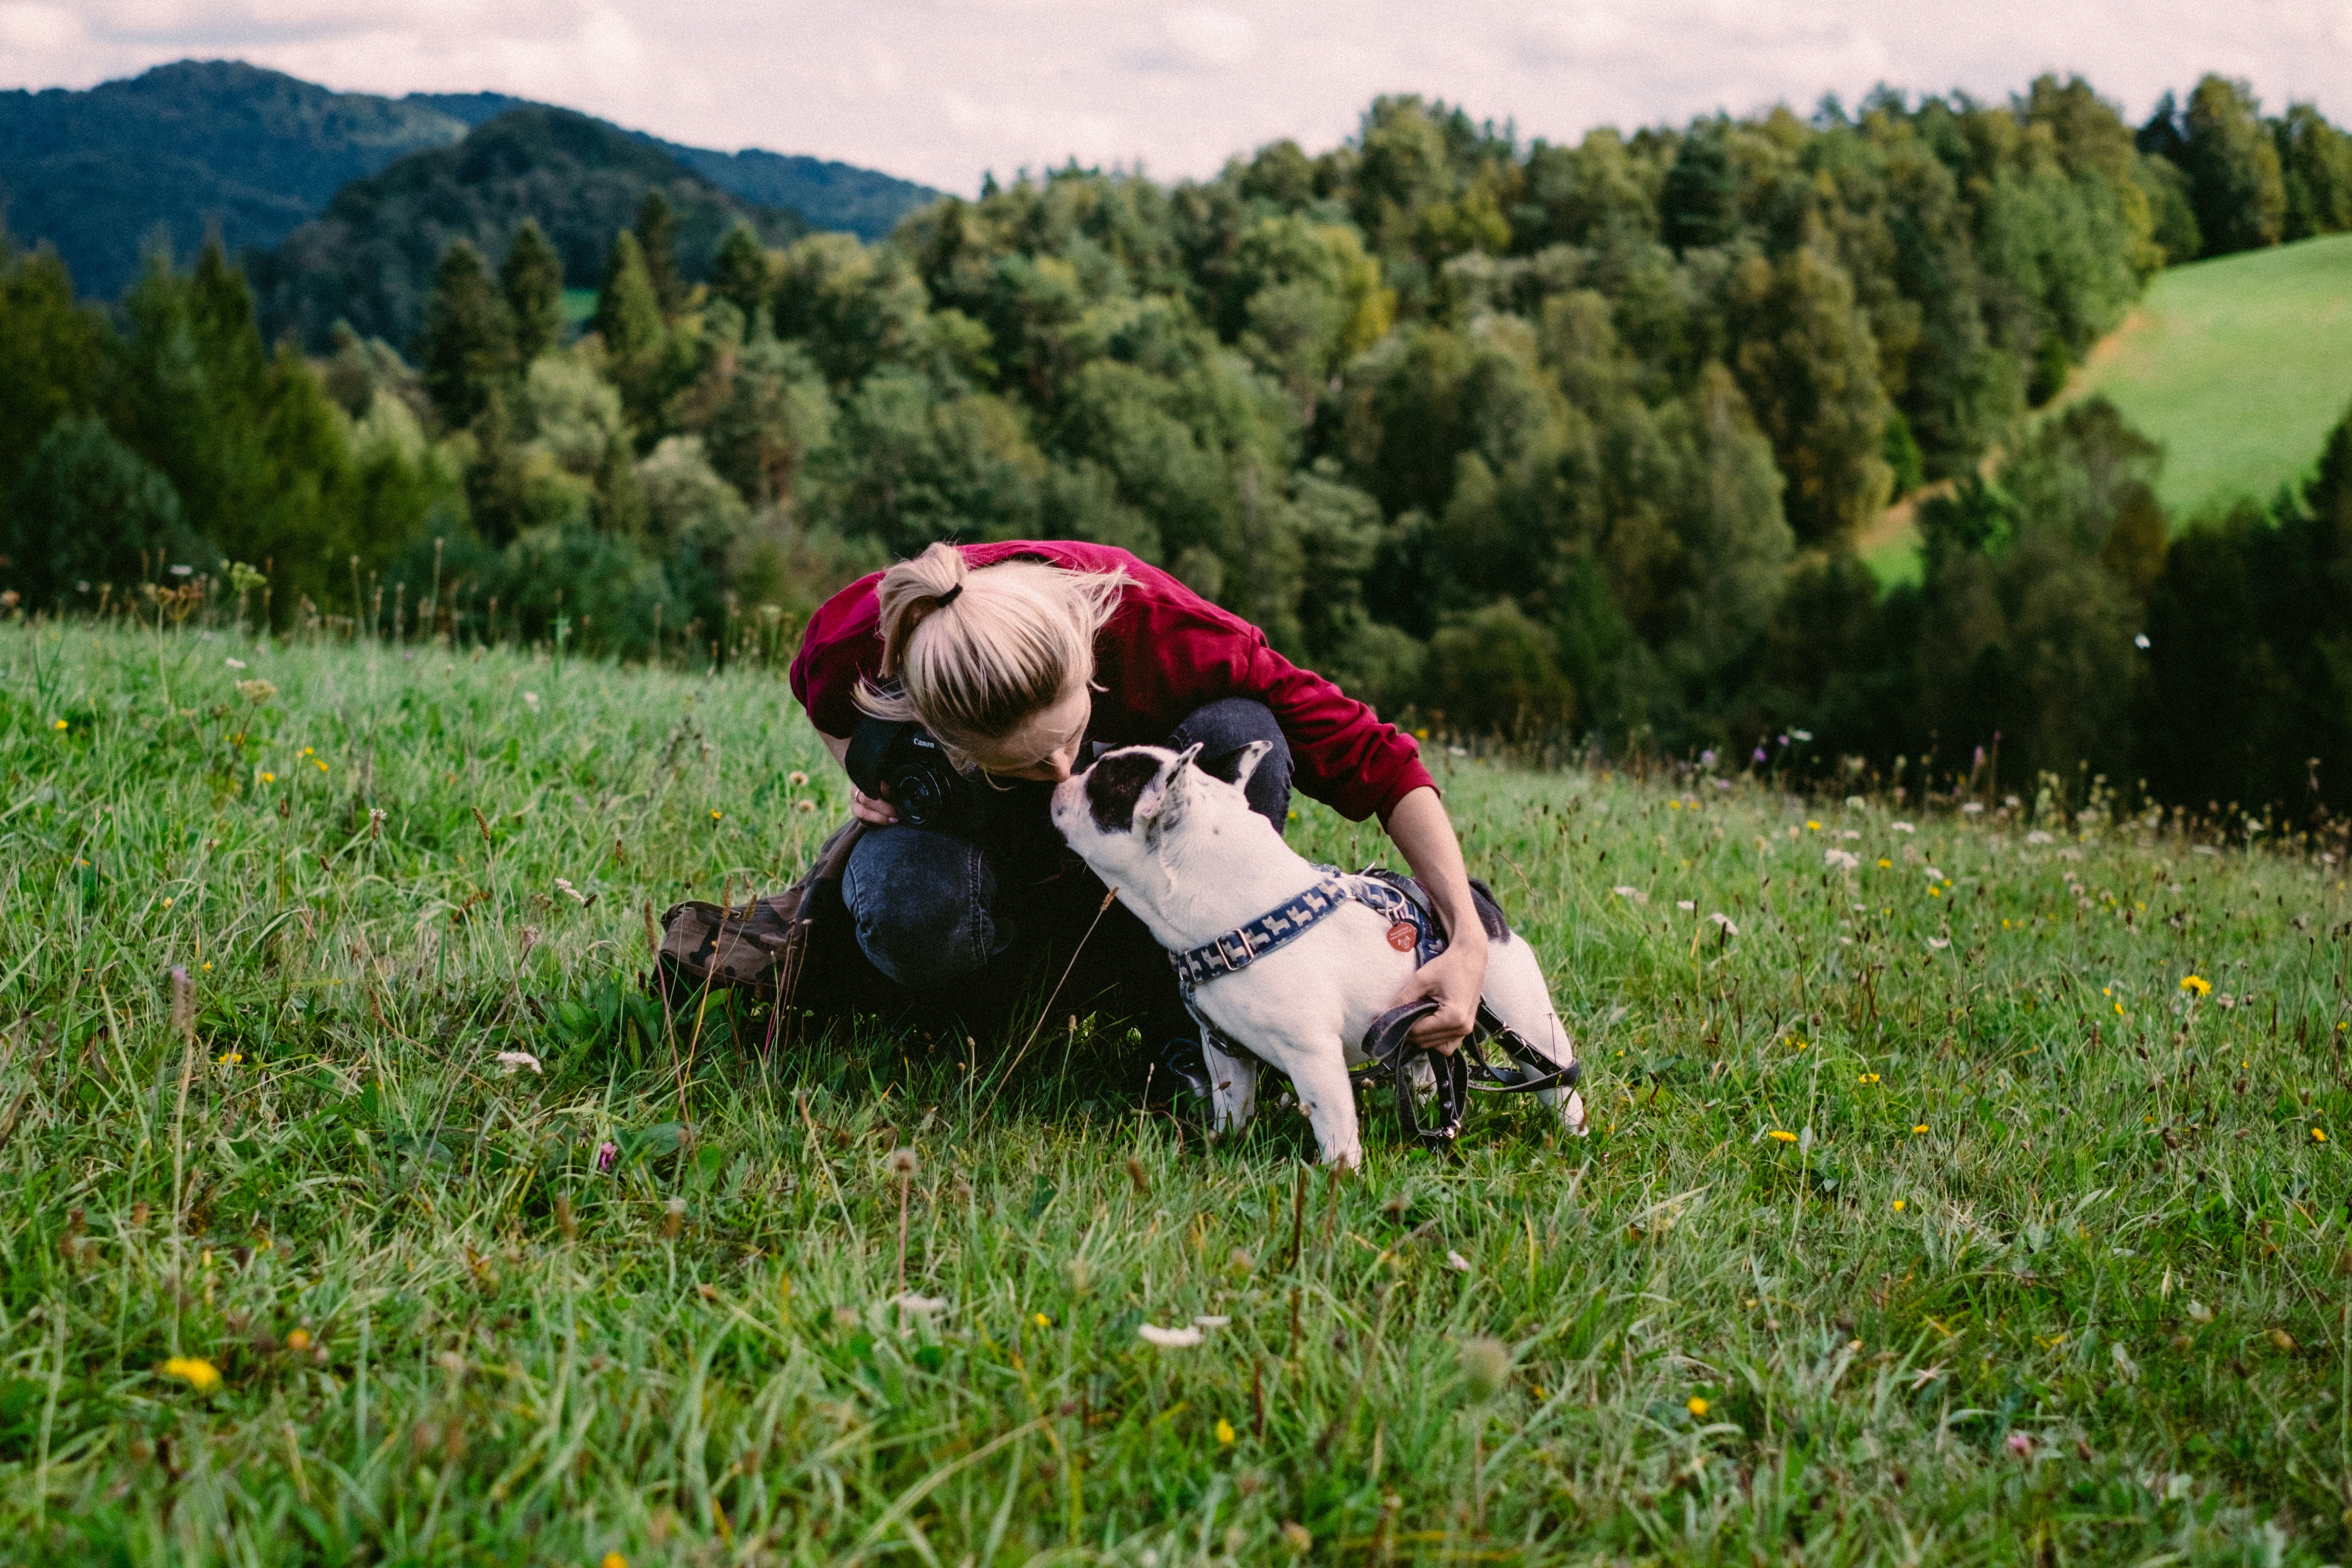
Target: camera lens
(916,794)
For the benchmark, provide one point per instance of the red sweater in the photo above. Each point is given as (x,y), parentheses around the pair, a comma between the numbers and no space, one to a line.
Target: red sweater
(1164,652)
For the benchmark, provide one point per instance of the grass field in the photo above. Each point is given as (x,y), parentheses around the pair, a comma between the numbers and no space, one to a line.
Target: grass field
(1981,1202)
(2239,365)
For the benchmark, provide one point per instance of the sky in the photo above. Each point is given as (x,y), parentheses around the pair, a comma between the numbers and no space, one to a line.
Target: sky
(945,92)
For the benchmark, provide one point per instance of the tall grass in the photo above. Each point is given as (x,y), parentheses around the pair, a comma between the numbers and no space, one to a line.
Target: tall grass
(1927,1217)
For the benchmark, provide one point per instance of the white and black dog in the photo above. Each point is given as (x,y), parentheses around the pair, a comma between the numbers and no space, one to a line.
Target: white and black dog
(1190,857)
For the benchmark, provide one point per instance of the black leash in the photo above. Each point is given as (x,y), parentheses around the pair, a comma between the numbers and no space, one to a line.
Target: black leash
(1456,1073)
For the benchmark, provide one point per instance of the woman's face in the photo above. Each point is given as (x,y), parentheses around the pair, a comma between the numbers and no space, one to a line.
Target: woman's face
(1045,747)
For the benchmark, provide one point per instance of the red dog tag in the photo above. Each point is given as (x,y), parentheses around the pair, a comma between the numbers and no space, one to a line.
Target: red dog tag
(1402,936)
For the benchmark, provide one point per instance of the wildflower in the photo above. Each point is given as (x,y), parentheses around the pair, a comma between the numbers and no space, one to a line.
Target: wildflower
(1938,944)
(715,816)
(1812,826)
(298,1340)
(1455,1261)
(513,1061)
(530,701)
(2318,1135)
(233,663)
(1682,904)
(902,1163)
(256,692)
(796,778)
(1903,826)
(571,892)
(1868,1077)
(1730,928)
(1421,734)
(1845,860)
(1780,1136)
(2197,985)
(1898,1205)
(167,904)
(1041,1319)
(59,725)
(1696,1406)
(1803,735)
(1298,1537)
(614,1560)
(1760,754)
(804,805)
(1885,864)
(195,1370)
(1920,1127)
(319,765)
(2020,1444)
(1183,1338)
(1485,1367)
(921,1306)
(607,1154)
(269,777)
(2199,1312)
(1211,1321)
(1225,1433)
(229,1058)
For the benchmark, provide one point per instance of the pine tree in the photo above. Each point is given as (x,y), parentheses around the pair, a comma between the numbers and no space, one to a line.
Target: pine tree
(743,275)
(497,489)
(2233,169)
(468,339)
(618,507)
(657,236)
(629,320)
(532,281)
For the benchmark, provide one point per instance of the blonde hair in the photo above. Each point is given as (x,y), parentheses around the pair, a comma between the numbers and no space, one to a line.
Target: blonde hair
(976,651)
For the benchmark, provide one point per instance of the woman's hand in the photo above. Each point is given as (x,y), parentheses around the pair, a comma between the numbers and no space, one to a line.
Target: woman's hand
(1454,979)
(862,806)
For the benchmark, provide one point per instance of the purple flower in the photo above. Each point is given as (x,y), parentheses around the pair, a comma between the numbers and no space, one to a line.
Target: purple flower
(1706,758)
(605,1154)
(1760,754)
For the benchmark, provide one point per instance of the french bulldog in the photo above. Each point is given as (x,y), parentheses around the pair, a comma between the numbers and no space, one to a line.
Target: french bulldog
(1185,852)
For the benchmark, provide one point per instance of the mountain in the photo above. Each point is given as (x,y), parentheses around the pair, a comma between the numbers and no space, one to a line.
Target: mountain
(101,173)
(369,259)
(256,154)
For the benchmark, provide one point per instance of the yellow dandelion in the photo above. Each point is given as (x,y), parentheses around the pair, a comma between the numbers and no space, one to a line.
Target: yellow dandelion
(1813,827)
(1919,1128)
(715,815)
(614,1560)
(1041,1320)
(322,766)
(167,904)
(2119,1009)
(196,1372)
(1696,1406)
(1417,735)
(270,778)
(1885,864)
(1934,892)
(1898,1205)
(207,966)
(306,751)
(1225,1433)
(1868,1077)
(298,1340)
(2318,1135)
(1777,1136)
(59,725)
(2196,984)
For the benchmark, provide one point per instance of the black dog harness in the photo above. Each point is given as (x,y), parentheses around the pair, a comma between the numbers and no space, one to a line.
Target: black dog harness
(1405,904)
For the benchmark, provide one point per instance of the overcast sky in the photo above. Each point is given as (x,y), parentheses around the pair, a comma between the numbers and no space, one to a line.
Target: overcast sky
(945,90)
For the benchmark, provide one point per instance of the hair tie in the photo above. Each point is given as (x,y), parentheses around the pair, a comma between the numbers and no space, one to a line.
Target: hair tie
(949,596)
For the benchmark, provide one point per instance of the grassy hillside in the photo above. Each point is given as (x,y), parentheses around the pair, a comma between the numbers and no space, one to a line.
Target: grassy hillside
(1977,1203)
(2239,365)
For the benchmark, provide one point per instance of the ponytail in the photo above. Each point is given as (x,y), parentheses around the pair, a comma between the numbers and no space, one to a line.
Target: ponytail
(974,651)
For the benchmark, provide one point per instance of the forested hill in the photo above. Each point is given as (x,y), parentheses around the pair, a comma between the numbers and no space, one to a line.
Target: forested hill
(1547,439)
(369,260)
(196,144)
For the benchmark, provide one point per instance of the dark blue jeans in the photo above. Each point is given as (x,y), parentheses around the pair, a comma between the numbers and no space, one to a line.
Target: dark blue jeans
(936,911)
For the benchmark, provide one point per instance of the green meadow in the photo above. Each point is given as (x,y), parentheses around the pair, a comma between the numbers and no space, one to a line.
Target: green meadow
(2239,365)
(1965,1185)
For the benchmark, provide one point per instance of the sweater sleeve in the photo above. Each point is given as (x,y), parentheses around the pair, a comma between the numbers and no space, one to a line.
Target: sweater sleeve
(842,645)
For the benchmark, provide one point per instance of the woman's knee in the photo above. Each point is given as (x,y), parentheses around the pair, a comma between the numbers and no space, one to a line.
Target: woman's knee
(924,906)
(1224,728)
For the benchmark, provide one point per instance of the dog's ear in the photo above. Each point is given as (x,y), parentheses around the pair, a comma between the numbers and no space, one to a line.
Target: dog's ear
(1247,759)
(1161,804)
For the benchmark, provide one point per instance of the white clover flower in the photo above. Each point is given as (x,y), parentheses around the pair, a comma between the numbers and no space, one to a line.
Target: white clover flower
(513,1061)
(1455,1261)
(1845,860)
(1903,827)
(1169,1339)
(2037,837)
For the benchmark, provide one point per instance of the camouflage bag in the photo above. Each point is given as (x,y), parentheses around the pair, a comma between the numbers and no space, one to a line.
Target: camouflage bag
(792,949)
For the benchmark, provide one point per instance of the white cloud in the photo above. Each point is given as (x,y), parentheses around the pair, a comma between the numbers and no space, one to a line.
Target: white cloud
(943,91)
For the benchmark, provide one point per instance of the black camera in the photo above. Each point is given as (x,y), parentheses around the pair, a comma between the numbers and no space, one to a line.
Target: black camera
(897,760)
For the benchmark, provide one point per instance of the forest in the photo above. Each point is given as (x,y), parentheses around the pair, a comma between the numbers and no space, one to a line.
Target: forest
(1564,444)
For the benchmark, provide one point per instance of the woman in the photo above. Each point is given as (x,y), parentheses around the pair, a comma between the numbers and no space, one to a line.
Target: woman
(1024,659)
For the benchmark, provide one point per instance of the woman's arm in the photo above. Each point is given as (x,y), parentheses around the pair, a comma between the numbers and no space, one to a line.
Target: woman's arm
(1457,976)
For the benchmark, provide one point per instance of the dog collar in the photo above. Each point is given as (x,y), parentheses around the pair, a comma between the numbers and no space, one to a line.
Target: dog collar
(1237,949)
